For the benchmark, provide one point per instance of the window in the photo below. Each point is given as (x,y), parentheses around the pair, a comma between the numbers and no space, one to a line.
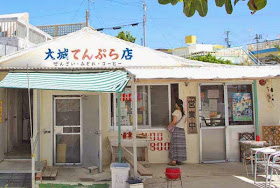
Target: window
(240,105)
(159,106)
(153,106)
(239,101)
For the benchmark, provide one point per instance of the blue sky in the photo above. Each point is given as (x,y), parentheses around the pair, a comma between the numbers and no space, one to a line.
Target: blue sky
(166,24)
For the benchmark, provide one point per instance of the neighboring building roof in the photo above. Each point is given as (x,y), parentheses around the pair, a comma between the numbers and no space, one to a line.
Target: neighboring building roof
(17,15)
(231,72)
(86,44)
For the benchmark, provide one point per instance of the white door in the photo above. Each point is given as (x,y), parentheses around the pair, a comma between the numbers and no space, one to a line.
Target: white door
(91,131)
(212,124)
(67,130)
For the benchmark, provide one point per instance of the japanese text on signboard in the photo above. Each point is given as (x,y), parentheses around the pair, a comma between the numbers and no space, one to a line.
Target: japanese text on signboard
(86,57)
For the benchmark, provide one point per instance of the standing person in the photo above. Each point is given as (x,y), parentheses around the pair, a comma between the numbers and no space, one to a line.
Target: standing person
(177,150)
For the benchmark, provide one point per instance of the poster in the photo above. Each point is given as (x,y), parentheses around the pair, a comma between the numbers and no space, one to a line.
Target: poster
(242,107)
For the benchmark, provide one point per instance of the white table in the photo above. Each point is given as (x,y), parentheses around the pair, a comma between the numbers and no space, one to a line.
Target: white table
(128,143)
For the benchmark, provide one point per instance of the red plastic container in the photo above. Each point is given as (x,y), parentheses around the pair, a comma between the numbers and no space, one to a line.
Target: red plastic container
(173,173)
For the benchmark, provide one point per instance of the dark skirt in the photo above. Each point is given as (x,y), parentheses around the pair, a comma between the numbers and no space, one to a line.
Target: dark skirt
(178,147)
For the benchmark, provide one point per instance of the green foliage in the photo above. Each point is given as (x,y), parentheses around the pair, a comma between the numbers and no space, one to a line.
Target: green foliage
(272,57)
(211,59)
(201,6)
(126,36)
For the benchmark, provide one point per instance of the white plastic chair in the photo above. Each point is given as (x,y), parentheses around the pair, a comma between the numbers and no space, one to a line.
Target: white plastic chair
(263,161)
(274,167)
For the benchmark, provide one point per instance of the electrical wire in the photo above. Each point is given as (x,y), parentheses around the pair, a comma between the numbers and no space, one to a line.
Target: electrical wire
(124,3)
(119,26)
(78,10)
(162,34)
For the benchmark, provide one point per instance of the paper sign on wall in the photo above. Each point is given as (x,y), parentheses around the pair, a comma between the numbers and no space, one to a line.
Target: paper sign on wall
(213,94)
(213,105)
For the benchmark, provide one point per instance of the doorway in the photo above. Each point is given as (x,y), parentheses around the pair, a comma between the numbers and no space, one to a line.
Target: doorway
(17,129)
(212,124)
(67,130)
(77,130)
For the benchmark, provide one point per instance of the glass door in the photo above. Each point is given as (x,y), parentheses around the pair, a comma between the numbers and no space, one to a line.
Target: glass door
(212,124)
(67,130)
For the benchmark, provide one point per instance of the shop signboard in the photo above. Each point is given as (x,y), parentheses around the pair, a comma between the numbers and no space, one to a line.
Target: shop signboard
(84,57)
(191,115)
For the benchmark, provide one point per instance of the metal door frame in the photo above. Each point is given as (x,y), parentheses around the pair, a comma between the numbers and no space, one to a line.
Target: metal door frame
(81,130)
(203,128)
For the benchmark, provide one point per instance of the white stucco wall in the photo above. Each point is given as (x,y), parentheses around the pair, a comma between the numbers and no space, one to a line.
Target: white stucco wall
(268,115)
(46,121)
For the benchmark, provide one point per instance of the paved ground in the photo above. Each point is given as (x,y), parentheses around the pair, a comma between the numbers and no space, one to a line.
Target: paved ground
(18,166)
(15,180)
(221,175)
(23,151)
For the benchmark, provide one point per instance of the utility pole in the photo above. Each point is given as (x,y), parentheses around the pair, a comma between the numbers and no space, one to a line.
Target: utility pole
(144,22)
(257,38)
(227,39)
(87,14)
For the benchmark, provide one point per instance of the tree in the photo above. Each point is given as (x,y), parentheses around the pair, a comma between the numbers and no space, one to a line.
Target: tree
(201,6)
(126,36)
(211,59)
(272,57)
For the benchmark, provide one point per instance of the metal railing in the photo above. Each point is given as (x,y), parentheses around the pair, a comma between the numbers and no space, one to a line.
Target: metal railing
(16,28)
(263,45)
(61,30)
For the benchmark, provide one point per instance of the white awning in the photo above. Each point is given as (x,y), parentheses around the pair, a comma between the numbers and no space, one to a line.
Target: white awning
(207,73)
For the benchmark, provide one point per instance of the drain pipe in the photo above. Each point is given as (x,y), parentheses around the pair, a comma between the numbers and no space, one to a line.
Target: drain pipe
(258,138)
(32,134)
(119,127)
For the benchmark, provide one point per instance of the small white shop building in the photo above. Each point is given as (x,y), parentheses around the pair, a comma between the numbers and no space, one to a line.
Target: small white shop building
(75,81)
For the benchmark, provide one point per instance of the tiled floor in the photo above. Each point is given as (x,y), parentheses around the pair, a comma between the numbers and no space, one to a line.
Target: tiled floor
(15,180)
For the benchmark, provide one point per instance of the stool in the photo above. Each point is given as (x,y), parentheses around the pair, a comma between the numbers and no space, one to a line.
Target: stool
(173,174)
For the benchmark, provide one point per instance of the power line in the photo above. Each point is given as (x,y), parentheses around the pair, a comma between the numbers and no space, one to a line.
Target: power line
(53,14)
(160,31)
(77,10)
(124,3)
(118,27)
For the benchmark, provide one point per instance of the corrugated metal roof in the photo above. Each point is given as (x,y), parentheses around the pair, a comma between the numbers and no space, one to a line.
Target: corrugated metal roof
(207,73)
(112,81)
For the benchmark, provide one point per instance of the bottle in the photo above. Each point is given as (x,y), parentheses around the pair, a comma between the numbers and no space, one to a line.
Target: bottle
(124,135)
(129,135)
